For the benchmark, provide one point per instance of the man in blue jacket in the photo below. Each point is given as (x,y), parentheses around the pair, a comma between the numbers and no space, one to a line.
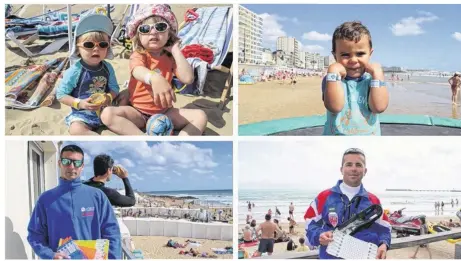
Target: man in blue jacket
(72,210)
(336,205)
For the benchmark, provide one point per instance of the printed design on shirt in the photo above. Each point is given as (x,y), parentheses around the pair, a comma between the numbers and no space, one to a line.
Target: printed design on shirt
(333,217)
(357,121)
(87,212)
(99,85)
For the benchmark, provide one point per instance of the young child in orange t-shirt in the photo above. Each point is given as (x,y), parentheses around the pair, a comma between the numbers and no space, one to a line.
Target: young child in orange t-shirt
(156,58)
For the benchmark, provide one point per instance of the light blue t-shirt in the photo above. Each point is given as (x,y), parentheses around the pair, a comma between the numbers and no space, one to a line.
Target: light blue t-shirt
(356,118)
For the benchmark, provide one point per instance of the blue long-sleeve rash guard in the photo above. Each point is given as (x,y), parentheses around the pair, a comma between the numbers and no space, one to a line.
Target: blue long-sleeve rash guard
(72,210)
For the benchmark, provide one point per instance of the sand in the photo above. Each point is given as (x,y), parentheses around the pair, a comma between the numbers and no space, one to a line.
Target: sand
(439,250)
(50,120)
(154,247)
(272,100)
(266,101)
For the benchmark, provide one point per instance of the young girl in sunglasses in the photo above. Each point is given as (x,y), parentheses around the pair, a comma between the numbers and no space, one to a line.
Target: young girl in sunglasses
(88,74)
(156,58)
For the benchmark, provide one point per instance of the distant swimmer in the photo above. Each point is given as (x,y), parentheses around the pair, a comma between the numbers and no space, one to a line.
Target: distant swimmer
(455,83)
(291,208)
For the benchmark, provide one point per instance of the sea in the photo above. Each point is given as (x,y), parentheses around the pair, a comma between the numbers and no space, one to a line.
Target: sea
(212,198)
(421,95)
(415,203)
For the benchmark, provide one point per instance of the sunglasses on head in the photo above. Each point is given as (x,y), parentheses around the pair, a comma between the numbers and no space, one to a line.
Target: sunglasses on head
(354,150)
(159,27)
(91,45)
(67,162)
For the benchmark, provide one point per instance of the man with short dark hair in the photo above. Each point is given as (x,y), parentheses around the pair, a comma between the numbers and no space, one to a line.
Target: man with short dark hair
(72,210)
(266,242)
(103,166)
(335,206)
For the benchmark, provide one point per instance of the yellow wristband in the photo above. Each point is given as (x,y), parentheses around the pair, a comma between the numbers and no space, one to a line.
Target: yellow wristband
(75,103)
(110,98)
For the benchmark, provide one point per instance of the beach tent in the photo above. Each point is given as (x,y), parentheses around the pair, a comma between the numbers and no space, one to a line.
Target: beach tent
(391,125)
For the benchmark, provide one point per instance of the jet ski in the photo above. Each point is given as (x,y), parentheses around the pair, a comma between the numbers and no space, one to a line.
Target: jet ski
(406,225)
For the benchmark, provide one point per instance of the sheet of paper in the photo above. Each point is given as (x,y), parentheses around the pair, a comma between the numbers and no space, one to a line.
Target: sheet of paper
(348,247)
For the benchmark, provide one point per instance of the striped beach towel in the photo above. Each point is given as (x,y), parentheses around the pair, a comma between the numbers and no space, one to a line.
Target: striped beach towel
(27,86)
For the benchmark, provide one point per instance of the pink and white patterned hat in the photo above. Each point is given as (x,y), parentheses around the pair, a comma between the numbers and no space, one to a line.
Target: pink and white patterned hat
(143,13)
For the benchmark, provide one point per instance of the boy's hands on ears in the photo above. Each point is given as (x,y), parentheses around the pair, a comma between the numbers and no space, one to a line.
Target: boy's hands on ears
(338,68)
(374,69)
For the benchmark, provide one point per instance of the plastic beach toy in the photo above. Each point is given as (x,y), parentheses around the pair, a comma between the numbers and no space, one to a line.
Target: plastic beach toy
(159,125)
(98,98)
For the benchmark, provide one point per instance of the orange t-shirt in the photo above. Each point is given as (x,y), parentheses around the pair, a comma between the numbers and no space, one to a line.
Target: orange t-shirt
(140,93)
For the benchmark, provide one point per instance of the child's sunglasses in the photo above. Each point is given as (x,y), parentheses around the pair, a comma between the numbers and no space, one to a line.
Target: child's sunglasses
(91,45)
(67,162)
(159,27)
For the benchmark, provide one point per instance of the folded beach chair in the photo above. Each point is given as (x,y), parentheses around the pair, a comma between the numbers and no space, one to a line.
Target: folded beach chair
(46,29)
(120,36)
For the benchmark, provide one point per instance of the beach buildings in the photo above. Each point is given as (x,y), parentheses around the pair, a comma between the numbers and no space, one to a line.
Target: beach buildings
(250,37)
(291,47)
(32,169)
(267,57)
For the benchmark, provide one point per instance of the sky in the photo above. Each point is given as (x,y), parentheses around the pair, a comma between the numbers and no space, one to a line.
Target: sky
(165,166)
(392,162)
(412,36)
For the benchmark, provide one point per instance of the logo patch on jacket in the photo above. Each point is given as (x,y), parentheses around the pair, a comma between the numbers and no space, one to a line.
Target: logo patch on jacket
(87,212)
(333,218)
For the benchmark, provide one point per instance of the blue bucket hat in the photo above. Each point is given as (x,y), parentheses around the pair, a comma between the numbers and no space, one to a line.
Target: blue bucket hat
(92,23)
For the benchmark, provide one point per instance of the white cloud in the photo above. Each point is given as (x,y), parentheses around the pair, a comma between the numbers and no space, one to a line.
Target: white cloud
(177,173)
(457,36)
(158,158)
(201,171)
(272,29)
(392,162)
(412,25)
(135,176)
(316,36)
(165,179)
(311,48)
(214,177)
(156,168)
(127,163)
